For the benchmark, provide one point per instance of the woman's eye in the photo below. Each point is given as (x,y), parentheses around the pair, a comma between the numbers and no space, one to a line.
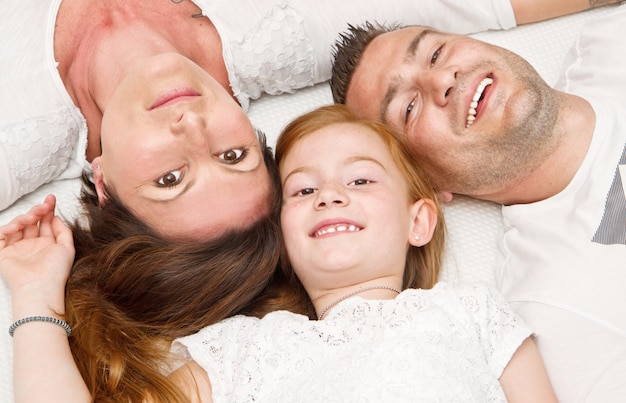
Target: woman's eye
(170,179)
(360,182)
(435,55)
(233,155)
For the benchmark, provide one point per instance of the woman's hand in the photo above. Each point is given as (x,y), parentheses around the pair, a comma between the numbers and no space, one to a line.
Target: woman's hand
(36,255)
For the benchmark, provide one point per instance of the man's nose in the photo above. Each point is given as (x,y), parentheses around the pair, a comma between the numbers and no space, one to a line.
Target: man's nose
(439,83)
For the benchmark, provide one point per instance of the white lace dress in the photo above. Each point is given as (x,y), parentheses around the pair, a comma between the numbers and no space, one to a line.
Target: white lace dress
(269,46)
(445,344)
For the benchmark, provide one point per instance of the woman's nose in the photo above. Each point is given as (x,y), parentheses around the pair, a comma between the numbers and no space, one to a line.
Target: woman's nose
(192,125)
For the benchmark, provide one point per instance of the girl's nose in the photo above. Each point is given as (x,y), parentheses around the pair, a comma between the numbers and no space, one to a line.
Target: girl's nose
(331,195)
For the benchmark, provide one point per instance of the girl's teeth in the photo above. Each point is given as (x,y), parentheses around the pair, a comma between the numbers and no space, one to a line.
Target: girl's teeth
(338,228)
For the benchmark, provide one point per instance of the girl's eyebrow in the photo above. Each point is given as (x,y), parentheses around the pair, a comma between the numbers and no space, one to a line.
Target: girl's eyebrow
(295,171)
(359,158)
(349,160)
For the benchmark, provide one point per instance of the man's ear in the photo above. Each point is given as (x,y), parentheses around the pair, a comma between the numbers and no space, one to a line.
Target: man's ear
(98,180)
(424,221)
(445,196)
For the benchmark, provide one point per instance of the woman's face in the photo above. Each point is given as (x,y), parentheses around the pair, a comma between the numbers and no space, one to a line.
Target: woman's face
(346,215)
(180,153)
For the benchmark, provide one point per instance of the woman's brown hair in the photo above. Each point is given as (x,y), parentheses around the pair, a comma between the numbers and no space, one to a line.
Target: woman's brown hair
(131,292)
(422,264)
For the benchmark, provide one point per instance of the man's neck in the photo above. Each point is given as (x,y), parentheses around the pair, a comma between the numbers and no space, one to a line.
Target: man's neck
(574,131)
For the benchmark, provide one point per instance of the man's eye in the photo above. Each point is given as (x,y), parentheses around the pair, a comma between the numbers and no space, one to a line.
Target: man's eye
(435,55)
(305,192)
(360,182)
(233,155)
(170,179)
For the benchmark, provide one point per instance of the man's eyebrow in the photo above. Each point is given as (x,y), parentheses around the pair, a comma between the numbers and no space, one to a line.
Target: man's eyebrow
(412,48)
(409,54)
(389,96)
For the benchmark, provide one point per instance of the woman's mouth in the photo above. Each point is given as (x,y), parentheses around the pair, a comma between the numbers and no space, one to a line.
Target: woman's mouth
(173,96)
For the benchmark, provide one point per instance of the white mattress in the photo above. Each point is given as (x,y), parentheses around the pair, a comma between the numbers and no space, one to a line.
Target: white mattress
(474,227)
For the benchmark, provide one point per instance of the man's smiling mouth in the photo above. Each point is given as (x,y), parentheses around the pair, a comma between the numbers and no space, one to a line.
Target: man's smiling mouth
(478,95)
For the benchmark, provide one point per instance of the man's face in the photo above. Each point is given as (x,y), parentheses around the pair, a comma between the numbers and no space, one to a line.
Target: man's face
(477,117)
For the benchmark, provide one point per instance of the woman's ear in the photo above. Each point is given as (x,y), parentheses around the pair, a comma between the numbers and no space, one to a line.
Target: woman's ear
(424,221)
(98,181)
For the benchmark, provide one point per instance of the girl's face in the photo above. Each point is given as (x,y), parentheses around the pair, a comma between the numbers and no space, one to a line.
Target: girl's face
(180,153)
(346,215)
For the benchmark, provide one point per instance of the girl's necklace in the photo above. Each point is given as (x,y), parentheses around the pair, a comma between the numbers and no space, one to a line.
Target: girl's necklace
(360,290)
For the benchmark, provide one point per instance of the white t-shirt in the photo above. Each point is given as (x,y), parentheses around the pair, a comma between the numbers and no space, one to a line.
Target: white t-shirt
(445,345)
(43,135)
(565,257)
(269,46)
(277,46)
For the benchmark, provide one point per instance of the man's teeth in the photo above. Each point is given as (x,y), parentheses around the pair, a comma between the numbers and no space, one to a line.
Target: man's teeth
(337,228)
(471,113)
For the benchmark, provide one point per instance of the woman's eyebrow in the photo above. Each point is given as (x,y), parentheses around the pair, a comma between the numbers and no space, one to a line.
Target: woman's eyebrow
(166,197)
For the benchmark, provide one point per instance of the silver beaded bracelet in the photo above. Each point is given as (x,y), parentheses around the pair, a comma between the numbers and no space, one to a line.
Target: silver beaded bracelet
(49,319)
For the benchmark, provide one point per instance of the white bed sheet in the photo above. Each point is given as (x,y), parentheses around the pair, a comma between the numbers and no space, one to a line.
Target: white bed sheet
(474,227)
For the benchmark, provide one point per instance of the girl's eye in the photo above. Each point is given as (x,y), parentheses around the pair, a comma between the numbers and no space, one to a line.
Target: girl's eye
(305,192)
(234,155)
(170,179)
(409,108)
(360,182)
(435,55)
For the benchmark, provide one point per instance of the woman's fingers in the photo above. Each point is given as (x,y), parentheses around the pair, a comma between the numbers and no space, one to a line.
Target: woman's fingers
(51,200)
(45,225)
(30,231)
(62,233)
(27,225)
(12,232)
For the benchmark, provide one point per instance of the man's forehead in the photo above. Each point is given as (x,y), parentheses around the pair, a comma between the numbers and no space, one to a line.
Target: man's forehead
(375,73)
(408,38)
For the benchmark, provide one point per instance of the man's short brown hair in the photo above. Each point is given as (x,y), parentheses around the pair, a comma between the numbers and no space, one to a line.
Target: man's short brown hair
(347,54)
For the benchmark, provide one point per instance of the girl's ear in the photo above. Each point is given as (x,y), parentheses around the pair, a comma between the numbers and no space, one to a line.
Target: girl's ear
(424,221)
(98,180)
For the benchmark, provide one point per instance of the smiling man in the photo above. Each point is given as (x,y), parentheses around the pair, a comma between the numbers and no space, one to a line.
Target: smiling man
(482,122)
(485,106)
